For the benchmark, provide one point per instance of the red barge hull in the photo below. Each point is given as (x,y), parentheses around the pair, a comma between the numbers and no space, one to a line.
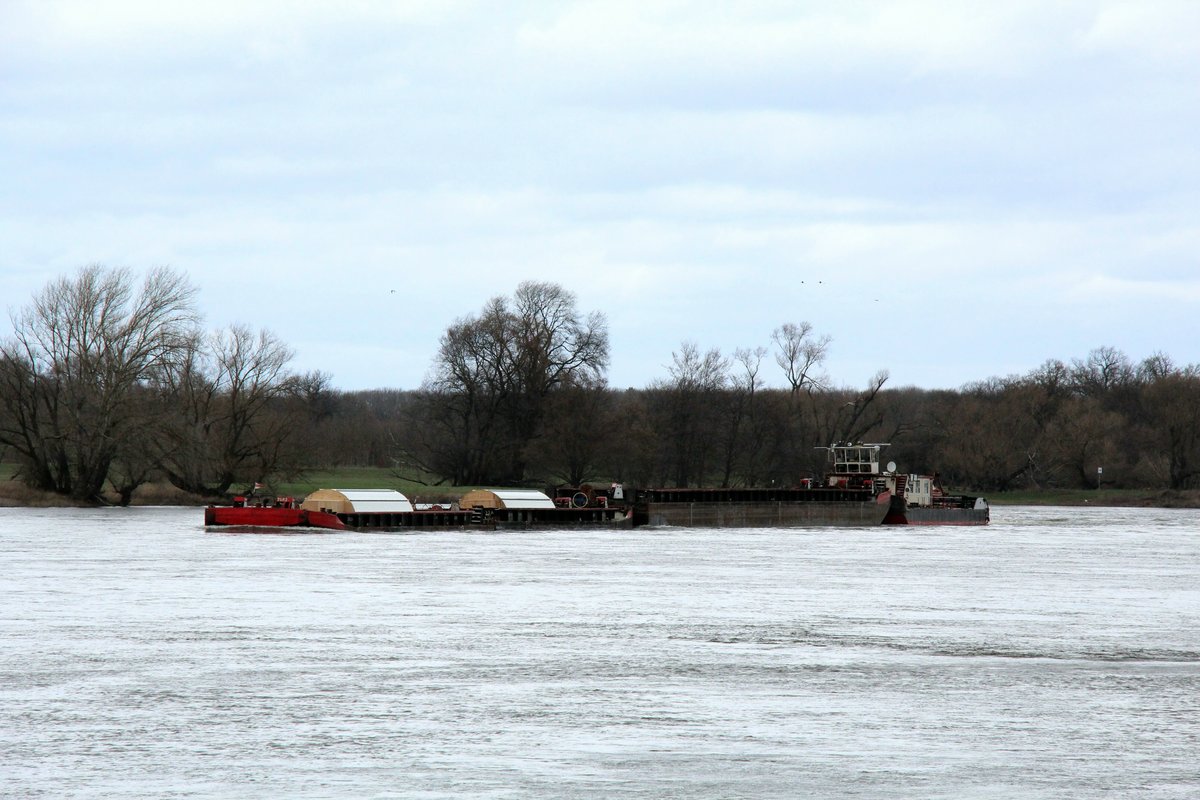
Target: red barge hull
(253,516)
(282,512)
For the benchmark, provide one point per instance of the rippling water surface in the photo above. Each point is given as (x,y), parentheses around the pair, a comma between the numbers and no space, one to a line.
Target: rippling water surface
(1055,653)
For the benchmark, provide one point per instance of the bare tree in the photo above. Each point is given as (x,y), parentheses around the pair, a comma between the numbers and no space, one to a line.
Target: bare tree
(70,371)
(800,355)
(974,453)
(136,462)
(854,419)
(1157,366)
(237,412)
(690,411)
(489,389)
(556,347)
(1081,438)
(743,436)
(1104,370)
(1173,407)
(694,371)
(578,434)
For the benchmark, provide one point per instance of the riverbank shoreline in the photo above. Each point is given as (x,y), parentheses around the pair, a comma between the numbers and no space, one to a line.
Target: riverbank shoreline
(13,494)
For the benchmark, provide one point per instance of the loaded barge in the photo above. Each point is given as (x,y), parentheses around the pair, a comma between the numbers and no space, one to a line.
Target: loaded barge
(388,510)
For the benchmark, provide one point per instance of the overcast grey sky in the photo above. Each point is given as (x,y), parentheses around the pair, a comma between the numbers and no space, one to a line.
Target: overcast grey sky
(950,190)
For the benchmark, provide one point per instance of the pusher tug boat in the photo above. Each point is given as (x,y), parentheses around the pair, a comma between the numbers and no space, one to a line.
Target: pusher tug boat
(915,499)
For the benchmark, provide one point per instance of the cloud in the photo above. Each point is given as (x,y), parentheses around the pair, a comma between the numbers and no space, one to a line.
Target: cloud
(1114,289)
(121,23)
(1161,33)
(918,37)
(998,176)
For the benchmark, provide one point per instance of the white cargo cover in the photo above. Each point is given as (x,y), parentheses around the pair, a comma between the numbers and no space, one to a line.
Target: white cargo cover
(524,499)
(357,501)
(377,500)
(517,499)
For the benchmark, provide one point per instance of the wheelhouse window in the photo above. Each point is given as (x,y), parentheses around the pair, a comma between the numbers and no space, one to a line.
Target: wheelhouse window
(857,460)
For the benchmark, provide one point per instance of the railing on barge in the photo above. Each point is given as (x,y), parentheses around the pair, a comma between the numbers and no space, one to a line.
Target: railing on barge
(756,495)
(482,518)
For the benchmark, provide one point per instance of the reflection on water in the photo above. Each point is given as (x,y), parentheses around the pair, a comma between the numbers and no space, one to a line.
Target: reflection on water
(1054,653)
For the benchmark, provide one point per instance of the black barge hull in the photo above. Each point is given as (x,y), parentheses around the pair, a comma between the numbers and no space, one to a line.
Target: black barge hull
(760,508)
(965,511)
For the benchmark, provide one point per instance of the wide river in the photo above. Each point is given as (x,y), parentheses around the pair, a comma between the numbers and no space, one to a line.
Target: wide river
(1053,654)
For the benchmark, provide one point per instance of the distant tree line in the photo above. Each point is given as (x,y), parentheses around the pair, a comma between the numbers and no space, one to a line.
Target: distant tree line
(107,384)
